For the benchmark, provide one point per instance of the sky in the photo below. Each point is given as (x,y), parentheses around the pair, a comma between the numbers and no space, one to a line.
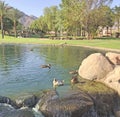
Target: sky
(36,7)
(32,7)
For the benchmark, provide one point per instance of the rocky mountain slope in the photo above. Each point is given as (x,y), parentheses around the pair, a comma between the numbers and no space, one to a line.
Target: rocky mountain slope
(26,20)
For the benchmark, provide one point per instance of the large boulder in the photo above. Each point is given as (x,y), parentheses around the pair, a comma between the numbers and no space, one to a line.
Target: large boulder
(114,58)
(113,79)
(95,66)
(27,100)
(74,105)
(78,104)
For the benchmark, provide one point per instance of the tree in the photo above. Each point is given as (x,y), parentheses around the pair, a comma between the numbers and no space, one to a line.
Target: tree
(8,24)
(3,10)
(84,13)
(14,14)
(73,15)
(94,12)
(50,15)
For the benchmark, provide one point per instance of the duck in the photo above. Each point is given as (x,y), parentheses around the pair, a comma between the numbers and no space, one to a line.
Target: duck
(73,72)
(58,82)
(74,80)
(46,66)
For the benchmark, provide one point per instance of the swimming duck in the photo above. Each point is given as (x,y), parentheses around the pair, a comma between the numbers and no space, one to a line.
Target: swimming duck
(58,82)
(46,66)
(74,80)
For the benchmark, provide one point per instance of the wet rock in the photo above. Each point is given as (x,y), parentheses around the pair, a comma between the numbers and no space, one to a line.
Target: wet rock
(79,104)
(7,100)
(95,67)
(73,105)
(27,100)
(47,97)
(8,111)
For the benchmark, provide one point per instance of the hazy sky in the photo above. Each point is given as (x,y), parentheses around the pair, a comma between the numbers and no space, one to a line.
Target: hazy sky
(35,7)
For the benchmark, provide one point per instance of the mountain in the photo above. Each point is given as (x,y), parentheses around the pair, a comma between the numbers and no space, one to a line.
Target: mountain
(26,20)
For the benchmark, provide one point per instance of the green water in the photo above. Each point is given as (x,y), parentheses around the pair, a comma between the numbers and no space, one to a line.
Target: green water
(21,72)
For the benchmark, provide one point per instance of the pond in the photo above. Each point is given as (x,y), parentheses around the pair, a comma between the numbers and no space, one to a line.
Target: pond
(21,72)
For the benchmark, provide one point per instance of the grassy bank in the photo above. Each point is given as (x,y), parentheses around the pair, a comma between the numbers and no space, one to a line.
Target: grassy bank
(106,43)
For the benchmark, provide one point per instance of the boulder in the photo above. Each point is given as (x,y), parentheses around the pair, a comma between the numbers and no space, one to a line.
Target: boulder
(113,79)
(117,114)
(7,100)
(95,66)
(74,105)
(114,58)
(27,100)
(78,104)
(8,111)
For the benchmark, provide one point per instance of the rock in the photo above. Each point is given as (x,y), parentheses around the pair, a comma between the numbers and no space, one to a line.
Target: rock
(117,114)
(78,104)
(48,96)
(72,105)
(95,66)
(113,79)
(113,57)
(8,111)
(7,100)
(27,100)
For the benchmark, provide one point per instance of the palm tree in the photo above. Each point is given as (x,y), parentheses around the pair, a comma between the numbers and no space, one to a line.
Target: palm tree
(15,15)
(3,10)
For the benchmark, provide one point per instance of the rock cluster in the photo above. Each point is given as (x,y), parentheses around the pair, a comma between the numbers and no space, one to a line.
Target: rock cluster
(79,104)
(104,68)
(75,104)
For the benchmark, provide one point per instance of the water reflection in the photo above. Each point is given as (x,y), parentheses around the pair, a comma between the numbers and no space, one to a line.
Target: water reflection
(20,70)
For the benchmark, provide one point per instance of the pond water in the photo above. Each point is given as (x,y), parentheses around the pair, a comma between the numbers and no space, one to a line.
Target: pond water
(21,72)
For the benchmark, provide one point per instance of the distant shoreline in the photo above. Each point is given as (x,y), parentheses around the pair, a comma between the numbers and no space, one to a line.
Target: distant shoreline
(105,45)
(100,48)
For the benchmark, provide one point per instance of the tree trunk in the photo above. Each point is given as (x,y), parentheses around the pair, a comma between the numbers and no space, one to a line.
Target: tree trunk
(15,32)
(107,30)
(118,24)
(2,27)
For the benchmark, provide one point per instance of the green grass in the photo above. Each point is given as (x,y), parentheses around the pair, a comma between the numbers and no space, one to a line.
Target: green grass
(100,43)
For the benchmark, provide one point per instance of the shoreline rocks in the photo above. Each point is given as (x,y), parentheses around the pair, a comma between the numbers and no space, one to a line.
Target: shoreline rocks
(103,68)
(27,101)
(8,111)
(75,104)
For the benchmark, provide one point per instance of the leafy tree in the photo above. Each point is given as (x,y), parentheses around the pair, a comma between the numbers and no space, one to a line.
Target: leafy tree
(37,25)
(72,13)
(50,15)
(84,13)
(8,24)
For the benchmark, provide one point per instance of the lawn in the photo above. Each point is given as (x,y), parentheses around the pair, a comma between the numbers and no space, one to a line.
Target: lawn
(98,43)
